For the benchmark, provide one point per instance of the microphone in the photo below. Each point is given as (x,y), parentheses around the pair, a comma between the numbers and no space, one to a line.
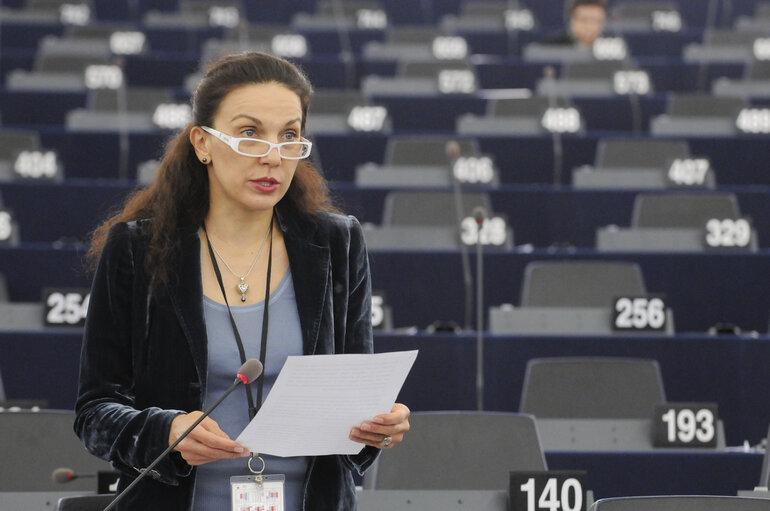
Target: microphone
(65,475)
(452,149)
(249,371)
(479,215)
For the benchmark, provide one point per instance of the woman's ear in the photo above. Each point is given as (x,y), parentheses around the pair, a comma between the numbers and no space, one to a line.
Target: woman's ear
(200,143)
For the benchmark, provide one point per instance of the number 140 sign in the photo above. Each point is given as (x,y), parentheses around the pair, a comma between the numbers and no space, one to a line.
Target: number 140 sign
(552,490)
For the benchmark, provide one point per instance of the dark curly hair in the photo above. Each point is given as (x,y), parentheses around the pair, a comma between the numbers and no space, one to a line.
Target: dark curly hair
(178,198)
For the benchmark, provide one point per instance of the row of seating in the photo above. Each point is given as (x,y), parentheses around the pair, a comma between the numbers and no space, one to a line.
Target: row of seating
(614,392)
(627,15)
(626,221)
(483,161)
(722,292)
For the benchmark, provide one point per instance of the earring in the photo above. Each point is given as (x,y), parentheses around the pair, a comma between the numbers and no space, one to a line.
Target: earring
(204,160)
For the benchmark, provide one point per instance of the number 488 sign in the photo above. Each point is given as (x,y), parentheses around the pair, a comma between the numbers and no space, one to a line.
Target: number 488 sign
(553,490)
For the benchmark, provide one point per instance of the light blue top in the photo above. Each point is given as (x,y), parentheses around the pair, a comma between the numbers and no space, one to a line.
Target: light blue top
(284,338)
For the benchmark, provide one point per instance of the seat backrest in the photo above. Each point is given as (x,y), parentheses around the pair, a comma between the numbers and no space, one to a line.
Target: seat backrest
(682,503)
(348,8)
(579,283)
(74,64)
(704,105)
(730,37)
(758,70)
(425,150)
(429,208)
(484,8)
(411,34)
(138,99)
(94,30)
(764,476)
(39,443)
(44,5)
(597,70)
(84,503)
(592,388)
(644,10)
(657,154)
(335,101)
(14,141)
(682,210)
(431,69)
(524,107)
(460,451)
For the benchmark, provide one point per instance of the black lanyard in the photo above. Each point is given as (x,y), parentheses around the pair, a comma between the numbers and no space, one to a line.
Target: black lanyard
(253,408)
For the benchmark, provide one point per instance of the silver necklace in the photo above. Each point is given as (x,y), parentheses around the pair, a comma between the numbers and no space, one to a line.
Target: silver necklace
(242,285)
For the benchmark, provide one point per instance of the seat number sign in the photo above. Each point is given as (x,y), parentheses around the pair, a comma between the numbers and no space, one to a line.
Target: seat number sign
(727,233)
(6,226)
(65,306)
(641,313)
(554,490)
(685,425)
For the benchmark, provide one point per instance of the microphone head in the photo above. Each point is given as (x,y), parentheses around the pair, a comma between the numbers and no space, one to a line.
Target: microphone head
(479,214)
(453,149)
(250,370)
(62,475)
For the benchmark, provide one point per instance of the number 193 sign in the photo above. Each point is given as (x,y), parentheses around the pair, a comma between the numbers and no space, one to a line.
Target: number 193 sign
(685,425)
(553,490)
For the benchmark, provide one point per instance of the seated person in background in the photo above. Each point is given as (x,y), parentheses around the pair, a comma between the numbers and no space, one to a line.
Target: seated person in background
(586,23)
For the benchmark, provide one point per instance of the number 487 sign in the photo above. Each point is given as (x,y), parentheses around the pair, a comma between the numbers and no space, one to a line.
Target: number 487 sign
(553,490)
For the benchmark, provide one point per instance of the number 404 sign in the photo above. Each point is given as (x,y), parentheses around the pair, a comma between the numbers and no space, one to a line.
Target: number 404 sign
(552,490)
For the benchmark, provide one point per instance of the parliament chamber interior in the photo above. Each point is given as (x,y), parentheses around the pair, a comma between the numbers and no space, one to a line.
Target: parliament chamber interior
(576,239)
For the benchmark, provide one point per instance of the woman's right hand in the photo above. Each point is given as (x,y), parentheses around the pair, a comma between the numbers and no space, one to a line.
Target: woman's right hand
(206,443)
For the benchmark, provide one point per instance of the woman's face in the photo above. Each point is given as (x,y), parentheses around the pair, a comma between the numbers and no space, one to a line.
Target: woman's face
(268,111)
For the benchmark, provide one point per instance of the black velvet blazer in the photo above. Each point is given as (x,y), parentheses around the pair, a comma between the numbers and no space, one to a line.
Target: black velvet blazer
(144,356)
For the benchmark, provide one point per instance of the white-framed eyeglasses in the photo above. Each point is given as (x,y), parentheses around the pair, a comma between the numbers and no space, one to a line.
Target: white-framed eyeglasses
(257,148)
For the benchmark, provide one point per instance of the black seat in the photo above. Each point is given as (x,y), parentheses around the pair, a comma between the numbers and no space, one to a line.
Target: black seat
(591,388)
(579,284)
(682,503)
(84,503)
(39,443)
(683,209)
(483,446)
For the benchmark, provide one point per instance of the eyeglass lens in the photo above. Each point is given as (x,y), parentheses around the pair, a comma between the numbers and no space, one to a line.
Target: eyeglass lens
(260,148)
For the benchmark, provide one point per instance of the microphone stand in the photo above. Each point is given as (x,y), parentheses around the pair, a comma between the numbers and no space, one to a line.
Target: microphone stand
(453,152)
(170,448)
(346,46)
(479,317)
(557,149)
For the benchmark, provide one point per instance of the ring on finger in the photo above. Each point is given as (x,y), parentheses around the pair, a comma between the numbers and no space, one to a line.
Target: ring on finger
(386,441)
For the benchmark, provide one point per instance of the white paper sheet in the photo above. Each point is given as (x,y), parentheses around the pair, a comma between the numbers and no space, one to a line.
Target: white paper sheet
(317,399)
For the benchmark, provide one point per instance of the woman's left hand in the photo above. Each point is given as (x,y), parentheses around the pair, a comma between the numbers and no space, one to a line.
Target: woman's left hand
(385,430)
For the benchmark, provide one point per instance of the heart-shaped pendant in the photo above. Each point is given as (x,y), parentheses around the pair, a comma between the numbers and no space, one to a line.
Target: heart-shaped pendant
(243,287)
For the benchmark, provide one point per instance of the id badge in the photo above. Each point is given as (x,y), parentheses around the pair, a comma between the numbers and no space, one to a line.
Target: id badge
(257,492)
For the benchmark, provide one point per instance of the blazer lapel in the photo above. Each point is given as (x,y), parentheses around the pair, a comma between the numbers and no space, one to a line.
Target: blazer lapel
(186,294)
(310,270)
